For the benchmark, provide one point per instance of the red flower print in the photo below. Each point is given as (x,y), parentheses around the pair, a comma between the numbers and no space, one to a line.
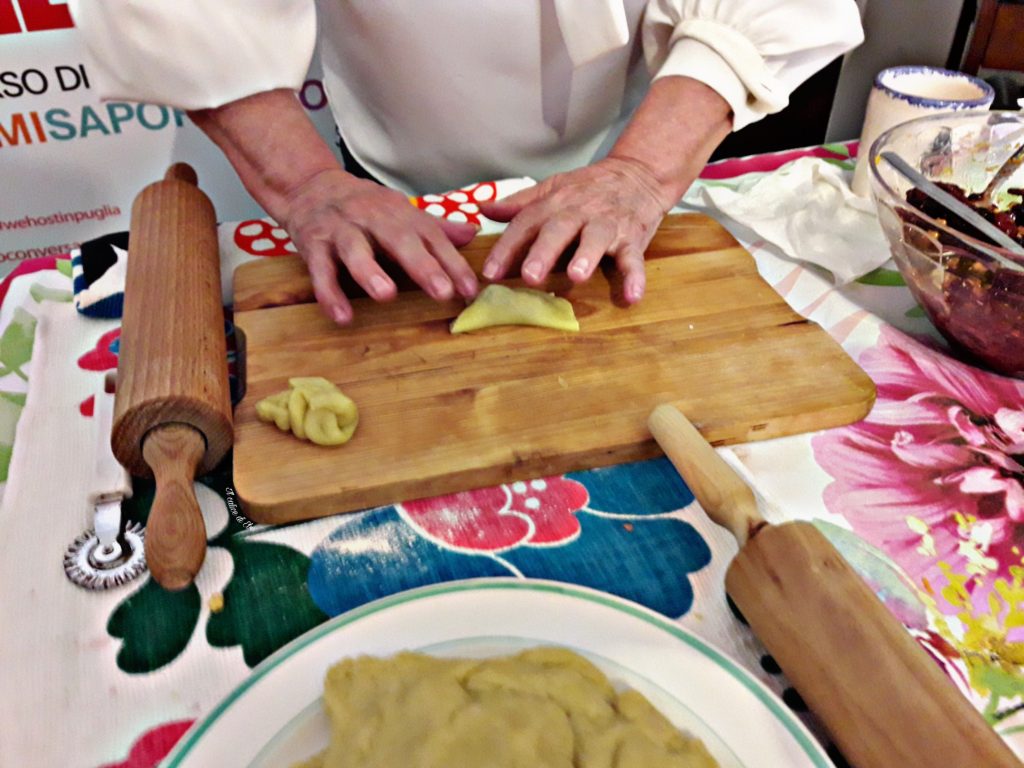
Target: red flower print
(153,746)
(263,238)
(100,357)
(460,205)
(935,473)
(537,513)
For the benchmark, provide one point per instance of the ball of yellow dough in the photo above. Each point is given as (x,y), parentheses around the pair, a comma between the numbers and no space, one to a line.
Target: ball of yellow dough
(312,409)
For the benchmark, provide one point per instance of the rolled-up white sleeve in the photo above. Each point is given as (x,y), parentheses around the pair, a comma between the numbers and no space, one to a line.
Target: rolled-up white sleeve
(754,53)
(195,54)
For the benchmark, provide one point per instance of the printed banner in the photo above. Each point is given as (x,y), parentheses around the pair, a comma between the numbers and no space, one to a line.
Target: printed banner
(71,164)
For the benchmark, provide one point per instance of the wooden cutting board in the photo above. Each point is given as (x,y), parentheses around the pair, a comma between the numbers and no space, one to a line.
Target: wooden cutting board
(442,413)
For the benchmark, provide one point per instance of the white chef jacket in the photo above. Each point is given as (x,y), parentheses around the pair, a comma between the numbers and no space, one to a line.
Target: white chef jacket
(433,94)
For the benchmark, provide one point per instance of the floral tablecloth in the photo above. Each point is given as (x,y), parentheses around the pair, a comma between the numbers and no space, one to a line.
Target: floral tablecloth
(924,497)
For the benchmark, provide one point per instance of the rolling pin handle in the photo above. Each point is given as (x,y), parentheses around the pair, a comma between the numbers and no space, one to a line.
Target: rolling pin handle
(724,496)
(175,531)
(881,697)
(182,172)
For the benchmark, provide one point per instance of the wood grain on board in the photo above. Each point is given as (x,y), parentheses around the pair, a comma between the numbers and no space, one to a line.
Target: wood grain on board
(442,413)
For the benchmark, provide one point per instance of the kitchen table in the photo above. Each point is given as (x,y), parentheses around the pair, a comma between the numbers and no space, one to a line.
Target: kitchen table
(115,677)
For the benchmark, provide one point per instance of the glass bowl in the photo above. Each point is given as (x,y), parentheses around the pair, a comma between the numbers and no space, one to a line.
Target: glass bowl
(976,302)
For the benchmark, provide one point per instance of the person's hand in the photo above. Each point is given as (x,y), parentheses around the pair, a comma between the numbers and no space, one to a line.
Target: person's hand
(336,219)
(612,207)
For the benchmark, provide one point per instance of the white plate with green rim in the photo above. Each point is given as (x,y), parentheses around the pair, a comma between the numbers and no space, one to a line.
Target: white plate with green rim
(274,718)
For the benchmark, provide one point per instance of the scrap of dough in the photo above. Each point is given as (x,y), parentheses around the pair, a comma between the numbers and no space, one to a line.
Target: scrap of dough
(313,409)
(500,305)
(541,708)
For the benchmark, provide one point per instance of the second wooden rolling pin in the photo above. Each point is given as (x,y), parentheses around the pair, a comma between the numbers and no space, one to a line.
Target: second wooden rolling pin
(883,700)
(172,413)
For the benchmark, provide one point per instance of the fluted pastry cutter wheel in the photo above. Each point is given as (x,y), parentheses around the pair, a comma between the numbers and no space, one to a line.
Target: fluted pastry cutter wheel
(112,552)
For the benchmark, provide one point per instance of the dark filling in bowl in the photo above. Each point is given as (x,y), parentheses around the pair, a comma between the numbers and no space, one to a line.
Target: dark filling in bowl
(1011,220)
(981,304)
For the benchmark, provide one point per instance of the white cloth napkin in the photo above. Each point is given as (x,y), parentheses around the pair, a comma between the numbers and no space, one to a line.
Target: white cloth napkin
(807,210)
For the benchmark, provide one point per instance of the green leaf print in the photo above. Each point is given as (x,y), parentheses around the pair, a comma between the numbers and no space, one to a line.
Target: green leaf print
(11,404)
(155,626)
(42,293)
(64,267)
(267,602)
(882,276)
(16,343)
(6,452)
(838,149)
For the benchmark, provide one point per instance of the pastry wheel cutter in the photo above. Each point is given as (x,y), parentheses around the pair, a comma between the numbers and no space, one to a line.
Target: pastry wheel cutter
(111,552)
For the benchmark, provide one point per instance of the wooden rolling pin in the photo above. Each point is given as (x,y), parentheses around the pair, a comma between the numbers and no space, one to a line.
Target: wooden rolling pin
(172,412)
(883,700)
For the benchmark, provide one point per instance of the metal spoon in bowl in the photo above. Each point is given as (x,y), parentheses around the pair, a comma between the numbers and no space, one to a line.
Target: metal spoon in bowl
(953,205)
(1006,170)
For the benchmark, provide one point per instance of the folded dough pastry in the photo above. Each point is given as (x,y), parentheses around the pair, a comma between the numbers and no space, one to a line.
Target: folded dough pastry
(501,305)
(313,409)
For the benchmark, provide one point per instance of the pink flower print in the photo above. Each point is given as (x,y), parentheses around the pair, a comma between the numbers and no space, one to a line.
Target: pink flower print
(935,473)
(538,513)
